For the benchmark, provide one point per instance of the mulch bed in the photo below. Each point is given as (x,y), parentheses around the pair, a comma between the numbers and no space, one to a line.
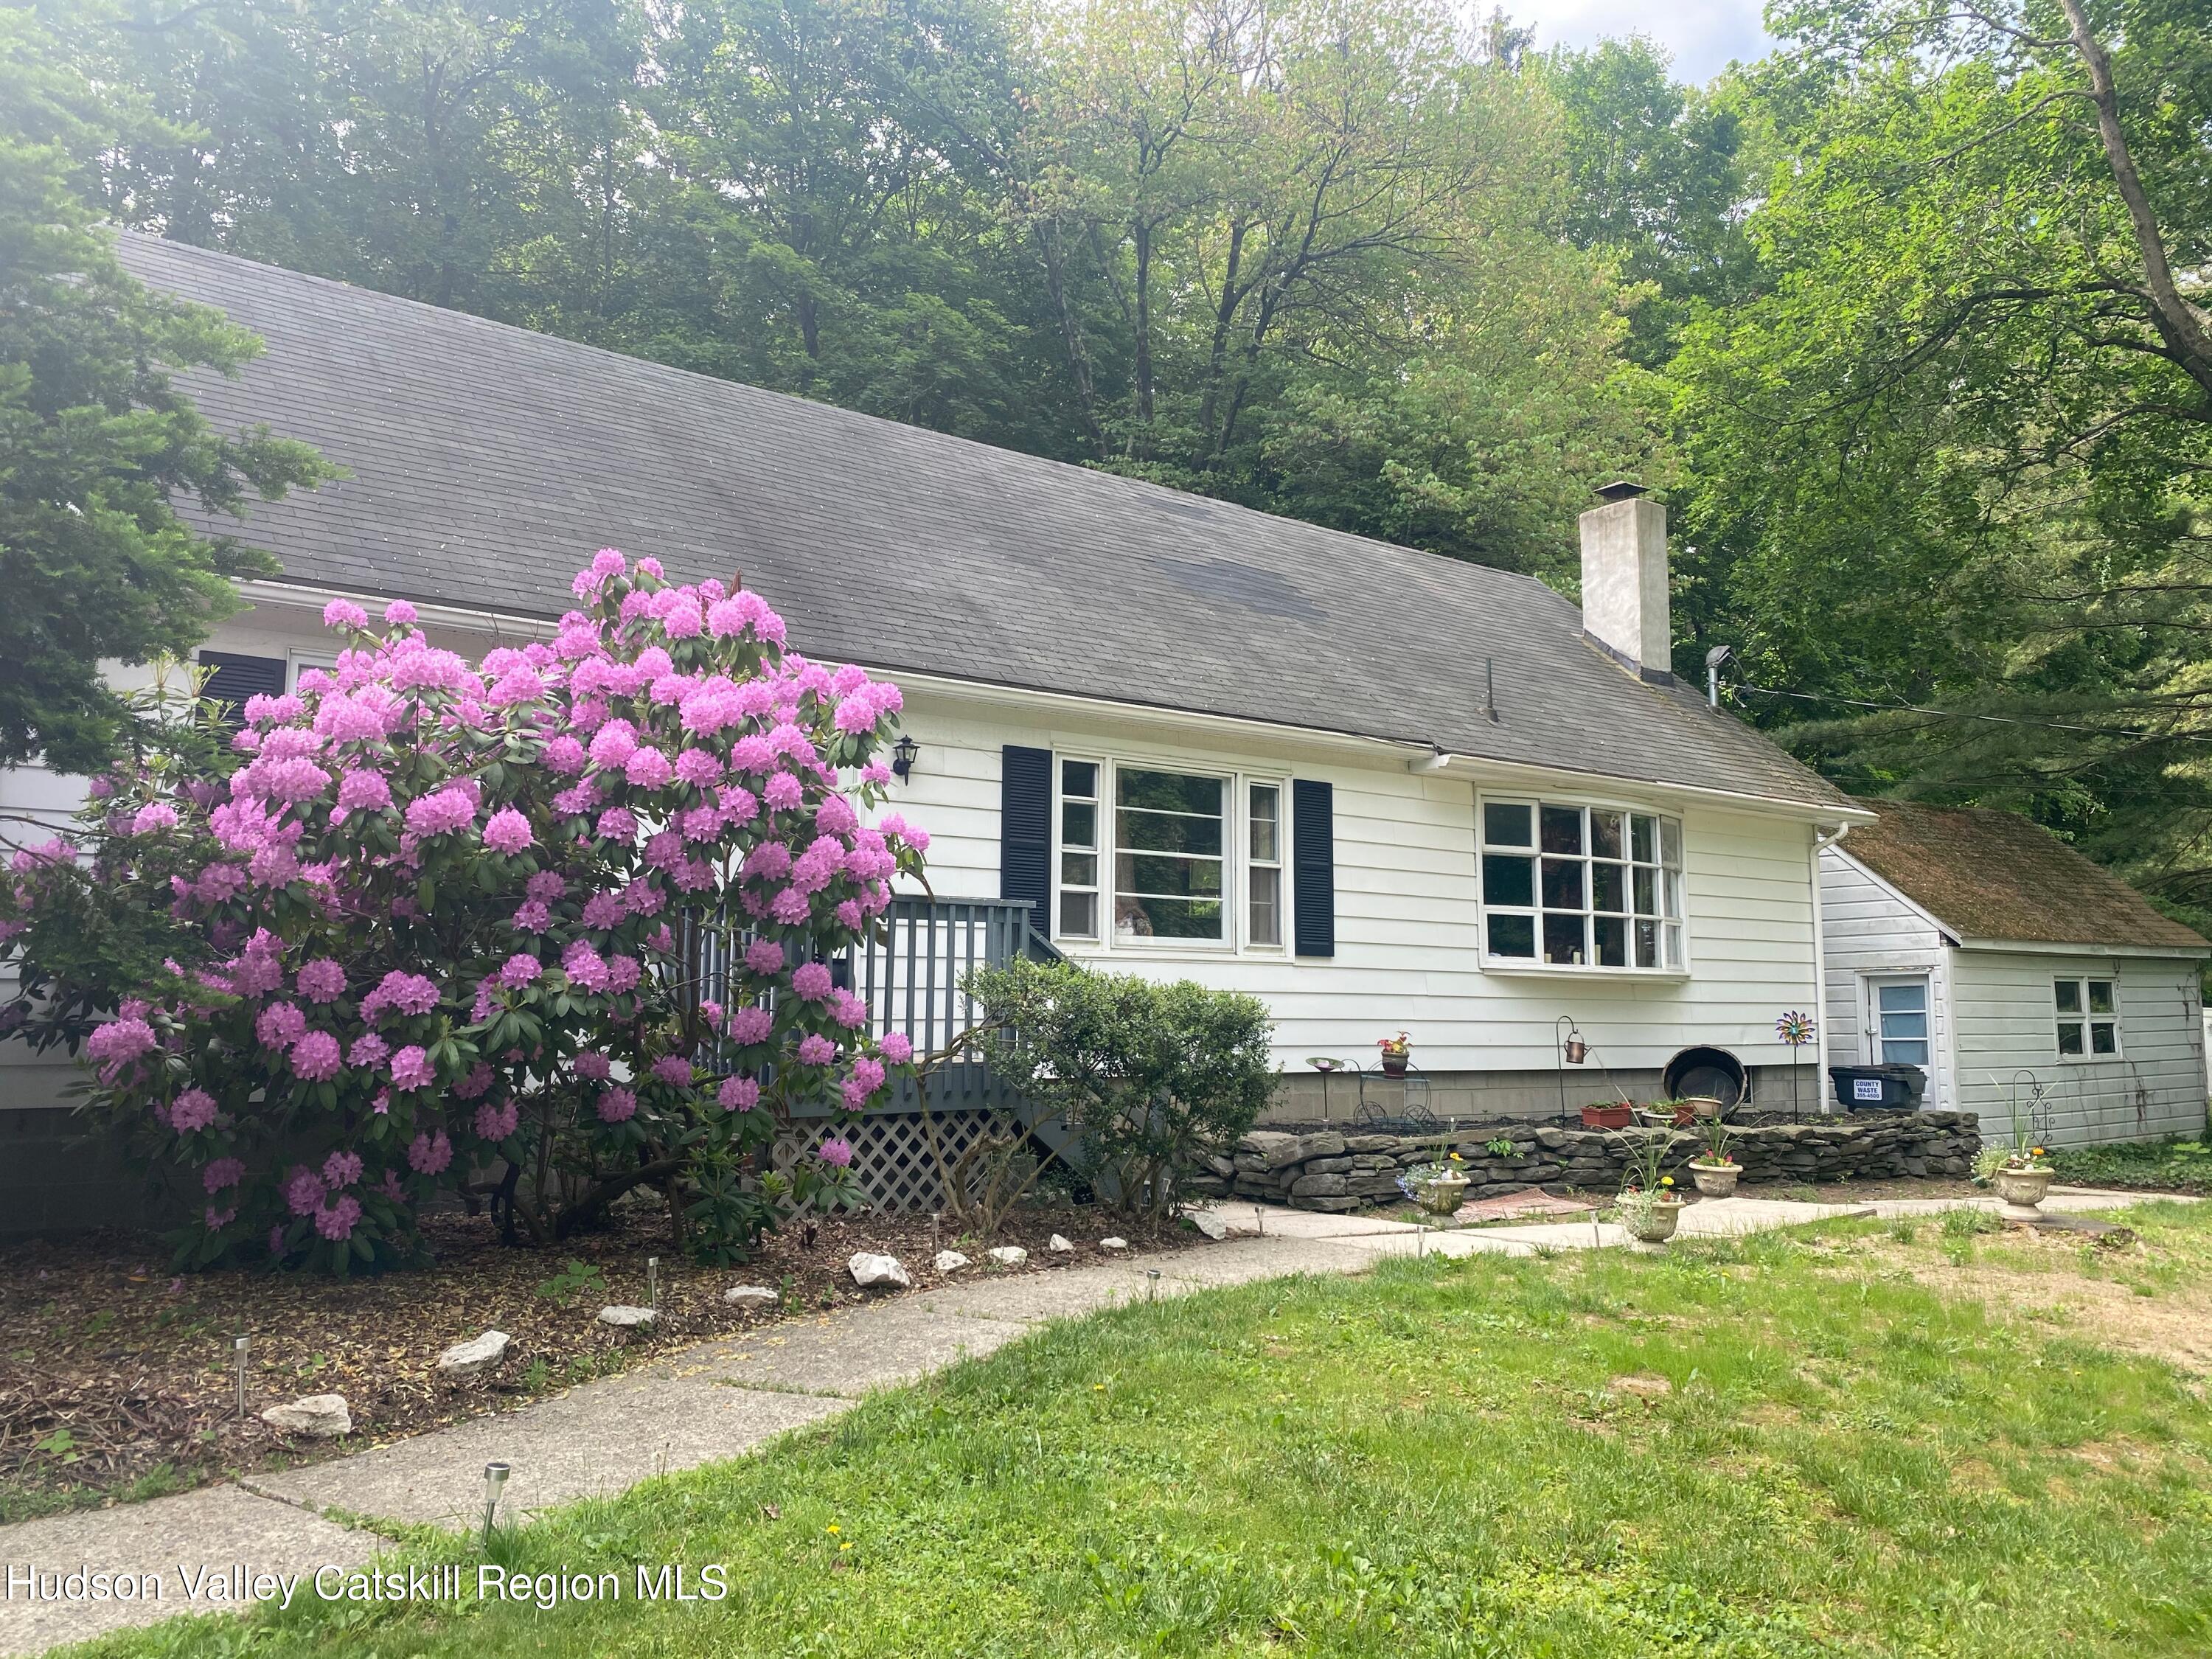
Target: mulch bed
(116,1379)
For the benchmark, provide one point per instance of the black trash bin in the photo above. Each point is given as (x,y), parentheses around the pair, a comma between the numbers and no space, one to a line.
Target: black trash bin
(1879,1088)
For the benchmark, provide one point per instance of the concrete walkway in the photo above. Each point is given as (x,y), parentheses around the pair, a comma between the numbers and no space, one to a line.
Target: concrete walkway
(717,1401)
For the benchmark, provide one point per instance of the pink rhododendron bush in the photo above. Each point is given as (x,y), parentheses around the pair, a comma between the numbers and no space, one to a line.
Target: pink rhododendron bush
(423,927)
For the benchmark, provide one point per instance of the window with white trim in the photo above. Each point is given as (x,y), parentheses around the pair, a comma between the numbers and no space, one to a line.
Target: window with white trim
(1171,855)
(1581,887)
(1263,856)
(2088,1014)
(1154,855)
(1079,849)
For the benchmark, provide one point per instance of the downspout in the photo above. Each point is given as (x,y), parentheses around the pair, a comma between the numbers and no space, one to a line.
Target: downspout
(1821,844)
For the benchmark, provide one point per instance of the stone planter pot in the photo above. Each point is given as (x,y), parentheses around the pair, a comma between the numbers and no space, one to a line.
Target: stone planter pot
(2023,1189)
(1714,1180)
(1444,1196)
(1651,1226)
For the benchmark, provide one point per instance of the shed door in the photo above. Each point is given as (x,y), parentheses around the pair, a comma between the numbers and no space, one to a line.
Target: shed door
(1898,1032)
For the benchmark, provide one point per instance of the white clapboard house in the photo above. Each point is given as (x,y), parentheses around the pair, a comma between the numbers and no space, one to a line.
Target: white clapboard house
(2015,972)
(1380,789)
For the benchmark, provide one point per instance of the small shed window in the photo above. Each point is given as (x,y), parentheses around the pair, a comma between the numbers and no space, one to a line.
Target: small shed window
(2088,1018)
(1581,886)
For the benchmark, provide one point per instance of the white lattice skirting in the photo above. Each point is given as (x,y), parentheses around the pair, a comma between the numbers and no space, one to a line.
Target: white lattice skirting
(891,1152)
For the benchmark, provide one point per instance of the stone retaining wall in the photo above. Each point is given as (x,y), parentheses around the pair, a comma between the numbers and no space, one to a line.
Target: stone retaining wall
(1335,1170)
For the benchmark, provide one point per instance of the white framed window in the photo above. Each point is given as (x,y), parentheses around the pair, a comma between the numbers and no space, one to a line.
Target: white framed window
(1574,886)
(1263,860)
(1171,855)
(1165,855)
(1079,848)
(2088,1018)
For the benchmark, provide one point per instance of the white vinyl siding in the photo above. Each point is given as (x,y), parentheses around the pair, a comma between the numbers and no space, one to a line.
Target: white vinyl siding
(1993,1016)
(2153,1086)
(1408,950)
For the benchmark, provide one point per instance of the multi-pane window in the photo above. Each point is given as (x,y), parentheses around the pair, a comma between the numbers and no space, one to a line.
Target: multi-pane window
(2088,1018)
(1169,855)
(1079,849)
(1263,856)
(1581,886)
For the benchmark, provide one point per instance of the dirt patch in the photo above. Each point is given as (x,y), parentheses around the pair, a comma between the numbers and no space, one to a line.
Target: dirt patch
(116,1377)
(2044,1281)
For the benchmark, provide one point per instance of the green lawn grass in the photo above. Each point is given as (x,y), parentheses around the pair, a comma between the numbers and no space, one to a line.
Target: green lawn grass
(1447,1458)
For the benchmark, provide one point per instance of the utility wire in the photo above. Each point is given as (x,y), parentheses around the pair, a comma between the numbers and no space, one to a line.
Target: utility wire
(1958,714)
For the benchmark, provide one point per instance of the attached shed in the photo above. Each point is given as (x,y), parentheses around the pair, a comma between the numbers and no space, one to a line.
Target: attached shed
(1978,946)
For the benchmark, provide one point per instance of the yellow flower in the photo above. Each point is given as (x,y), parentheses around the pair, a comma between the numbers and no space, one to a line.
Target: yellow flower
(1456,1158)
(846,1544)
(833,1527)
(2035,1152)
(1666,1180)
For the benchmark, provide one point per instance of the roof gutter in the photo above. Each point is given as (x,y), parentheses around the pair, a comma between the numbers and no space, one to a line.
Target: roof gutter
(1430,759)
(1478,768)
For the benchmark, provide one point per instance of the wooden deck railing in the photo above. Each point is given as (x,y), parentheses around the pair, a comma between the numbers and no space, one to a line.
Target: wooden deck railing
(910,977)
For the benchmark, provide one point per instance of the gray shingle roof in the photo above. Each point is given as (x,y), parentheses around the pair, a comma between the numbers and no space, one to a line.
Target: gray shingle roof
(488,463)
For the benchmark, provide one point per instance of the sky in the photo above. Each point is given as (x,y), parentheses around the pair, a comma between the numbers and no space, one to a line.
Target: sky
(1702,34)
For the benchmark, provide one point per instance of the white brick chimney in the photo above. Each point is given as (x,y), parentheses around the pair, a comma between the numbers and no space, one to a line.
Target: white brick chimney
(1626,607)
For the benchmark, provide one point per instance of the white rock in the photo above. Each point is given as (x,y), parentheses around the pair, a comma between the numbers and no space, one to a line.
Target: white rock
(1058,1245)
(869,1270)
(1009,1255)
(467,1358)
(1113,1243)
(751,1296)
(319,1417)
(1207,1222)
(951,1261)
(626,1318)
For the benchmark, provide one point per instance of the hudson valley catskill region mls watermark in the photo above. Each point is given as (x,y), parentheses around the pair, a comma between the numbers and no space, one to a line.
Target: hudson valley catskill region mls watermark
(241,1584)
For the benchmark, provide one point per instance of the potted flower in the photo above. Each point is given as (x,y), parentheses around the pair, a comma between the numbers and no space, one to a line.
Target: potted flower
(1396,1051)
(1667,1114)
(1650,1207)
(1439,1188)
(1714,1169)
(2020,1174)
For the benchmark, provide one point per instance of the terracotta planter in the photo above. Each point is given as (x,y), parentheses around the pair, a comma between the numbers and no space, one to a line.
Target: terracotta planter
(1444,1195)
(1606,1117)
(1714,1180)
(2023,1189)
(1654,1223)
(1394,1065)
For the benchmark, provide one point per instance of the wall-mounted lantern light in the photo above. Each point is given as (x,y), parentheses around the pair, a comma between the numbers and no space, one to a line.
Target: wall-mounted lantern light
(904,753)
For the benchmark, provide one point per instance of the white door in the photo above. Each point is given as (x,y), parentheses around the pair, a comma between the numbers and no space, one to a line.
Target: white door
(1900,1028)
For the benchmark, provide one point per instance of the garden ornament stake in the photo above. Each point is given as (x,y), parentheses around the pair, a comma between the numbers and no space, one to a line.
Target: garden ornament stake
(238,1348)
(652,1281)
(1152,1284)
(1573,1051)
(495,1483)
(1795,1030)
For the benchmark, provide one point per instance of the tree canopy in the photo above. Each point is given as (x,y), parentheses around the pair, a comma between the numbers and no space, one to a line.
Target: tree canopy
(1905,318)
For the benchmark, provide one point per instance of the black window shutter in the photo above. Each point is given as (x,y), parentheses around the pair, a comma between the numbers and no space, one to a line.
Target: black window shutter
(1025,831)
(236,679)
(1313,867)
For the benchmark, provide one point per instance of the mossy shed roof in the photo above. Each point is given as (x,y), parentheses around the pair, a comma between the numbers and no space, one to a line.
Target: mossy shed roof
(1991,875)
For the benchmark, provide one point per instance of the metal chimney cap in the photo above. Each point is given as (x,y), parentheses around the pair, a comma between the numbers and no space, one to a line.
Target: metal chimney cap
(1620,489)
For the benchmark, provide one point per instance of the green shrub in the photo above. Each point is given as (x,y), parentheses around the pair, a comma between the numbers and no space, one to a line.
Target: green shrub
(1150,1077)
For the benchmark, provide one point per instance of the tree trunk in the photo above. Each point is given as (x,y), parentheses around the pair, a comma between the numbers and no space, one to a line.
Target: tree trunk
(2179,324)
